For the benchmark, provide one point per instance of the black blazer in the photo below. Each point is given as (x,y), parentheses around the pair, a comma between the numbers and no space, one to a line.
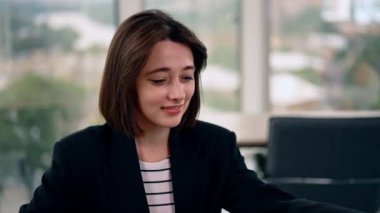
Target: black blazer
(97,170)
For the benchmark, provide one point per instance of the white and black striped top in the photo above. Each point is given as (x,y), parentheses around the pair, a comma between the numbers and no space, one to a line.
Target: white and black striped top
(158,186)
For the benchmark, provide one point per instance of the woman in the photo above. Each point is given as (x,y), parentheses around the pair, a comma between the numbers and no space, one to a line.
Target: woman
(152,155)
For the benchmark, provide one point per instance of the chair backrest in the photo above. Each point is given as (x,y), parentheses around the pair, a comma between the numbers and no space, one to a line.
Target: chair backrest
(332,159)
(324,147)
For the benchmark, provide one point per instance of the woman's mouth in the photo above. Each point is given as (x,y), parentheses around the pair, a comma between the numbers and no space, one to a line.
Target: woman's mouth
(172,109)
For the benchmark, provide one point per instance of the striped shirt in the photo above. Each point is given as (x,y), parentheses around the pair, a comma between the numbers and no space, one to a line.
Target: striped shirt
(158,186)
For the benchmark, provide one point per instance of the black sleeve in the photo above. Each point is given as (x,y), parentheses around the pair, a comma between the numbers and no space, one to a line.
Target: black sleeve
(302,205)
(52,195)
(245,192)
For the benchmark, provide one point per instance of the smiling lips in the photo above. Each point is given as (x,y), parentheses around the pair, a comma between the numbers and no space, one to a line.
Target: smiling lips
(172,109)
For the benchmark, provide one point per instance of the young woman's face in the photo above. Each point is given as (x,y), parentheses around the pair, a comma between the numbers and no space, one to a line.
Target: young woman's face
(165,85)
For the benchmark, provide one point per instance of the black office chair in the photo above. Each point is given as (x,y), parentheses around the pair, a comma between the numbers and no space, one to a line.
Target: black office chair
(333,160)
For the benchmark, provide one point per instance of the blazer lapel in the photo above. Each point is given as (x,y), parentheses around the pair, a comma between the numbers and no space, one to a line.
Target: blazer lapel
(126,189)
(185,163)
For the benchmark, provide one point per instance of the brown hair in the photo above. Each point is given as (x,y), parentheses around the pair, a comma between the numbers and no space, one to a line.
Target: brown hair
(127,55)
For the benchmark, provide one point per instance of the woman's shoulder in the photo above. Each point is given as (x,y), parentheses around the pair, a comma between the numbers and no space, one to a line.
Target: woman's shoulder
(204,125)
(210,128)
(86,137)
(211,141)
(211,135)
(85,148)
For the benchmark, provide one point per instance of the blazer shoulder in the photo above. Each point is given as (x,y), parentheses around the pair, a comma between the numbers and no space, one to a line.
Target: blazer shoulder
(211,135)
(85,137)
(83,150)
(210,129)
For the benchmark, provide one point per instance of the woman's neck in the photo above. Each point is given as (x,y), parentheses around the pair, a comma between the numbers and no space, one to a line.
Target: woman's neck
(152,146)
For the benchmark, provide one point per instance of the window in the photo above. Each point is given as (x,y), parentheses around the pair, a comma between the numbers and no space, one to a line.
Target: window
(52,55)
(324,55)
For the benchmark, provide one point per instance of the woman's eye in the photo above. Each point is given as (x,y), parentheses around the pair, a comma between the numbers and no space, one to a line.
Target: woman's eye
(188,78)
(157,81)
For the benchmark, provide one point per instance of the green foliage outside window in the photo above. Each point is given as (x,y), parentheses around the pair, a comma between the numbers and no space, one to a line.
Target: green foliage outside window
(34,112)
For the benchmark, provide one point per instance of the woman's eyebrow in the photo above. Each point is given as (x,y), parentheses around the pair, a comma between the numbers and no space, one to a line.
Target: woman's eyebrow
(190,67)
(160,69)
(167,69)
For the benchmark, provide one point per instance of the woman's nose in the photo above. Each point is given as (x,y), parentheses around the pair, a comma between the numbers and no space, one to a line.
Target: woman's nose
(176,91)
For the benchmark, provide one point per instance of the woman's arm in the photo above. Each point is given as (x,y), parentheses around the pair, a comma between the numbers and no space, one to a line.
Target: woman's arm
(245,192)
(52,195)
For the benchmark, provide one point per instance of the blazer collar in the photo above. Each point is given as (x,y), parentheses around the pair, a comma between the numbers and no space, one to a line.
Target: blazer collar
(126,189)
(185,163)
(127,192)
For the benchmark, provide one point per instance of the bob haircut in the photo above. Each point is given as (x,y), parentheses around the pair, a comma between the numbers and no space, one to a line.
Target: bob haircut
(127,55)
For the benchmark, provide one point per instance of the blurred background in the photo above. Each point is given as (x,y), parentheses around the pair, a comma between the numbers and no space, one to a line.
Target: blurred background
(265,56)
